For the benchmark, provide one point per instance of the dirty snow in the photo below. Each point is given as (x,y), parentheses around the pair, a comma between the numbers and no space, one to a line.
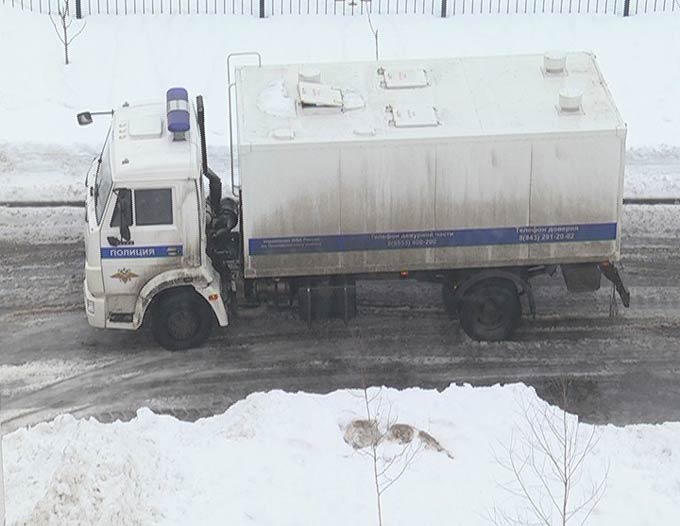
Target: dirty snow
(660,221)
(42,225)
(37,374)
(278,458)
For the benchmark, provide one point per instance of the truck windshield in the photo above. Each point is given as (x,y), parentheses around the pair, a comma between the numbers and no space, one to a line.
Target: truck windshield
(103,183)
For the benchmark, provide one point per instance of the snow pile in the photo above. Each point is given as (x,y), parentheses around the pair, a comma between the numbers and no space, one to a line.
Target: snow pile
(278,458)
(76,474)
(274,100)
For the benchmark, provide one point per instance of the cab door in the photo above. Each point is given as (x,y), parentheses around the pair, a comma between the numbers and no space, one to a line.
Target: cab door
(140,238)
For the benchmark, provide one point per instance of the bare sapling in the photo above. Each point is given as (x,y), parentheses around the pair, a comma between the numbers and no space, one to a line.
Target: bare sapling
(390,446)
(368,5)
(62,22)
(374,31)
(548,463)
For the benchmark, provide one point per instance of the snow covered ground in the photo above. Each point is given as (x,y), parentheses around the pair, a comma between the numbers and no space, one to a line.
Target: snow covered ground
(44,154)
(279,458)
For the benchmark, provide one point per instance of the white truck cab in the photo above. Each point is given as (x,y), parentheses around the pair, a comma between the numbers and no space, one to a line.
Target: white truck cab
(146,228)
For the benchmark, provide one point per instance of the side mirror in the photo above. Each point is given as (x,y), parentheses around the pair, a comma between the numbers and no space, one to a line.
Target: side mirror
(84,118)
(124,203)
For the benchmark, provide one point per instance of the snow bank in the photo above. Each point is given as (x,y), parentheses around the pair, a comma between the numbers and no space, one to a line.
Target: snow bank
(279,458)
(42,225)
(659,221)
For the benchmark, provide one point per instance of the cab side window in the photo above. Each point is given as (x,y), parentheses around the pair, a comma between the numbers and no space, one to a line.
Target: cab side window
(153,207)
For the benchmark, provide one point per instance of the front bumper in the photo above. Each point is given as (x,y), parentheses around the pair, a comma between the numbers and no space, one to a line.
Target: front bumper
(95,308)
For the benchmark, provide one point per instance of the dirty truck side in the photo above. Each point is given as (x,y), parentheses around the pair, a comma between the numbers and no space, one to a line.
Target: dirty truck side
(477,173)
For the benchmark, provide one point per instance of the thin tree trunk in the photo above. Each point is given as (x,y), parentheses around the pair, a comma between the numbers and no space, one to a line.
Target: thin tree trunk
(65,28)
(377,485)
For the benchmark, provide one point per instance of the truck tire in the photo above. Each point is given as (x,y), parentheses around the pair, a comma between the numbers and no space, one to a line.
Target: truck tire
(490,310)
(181,320)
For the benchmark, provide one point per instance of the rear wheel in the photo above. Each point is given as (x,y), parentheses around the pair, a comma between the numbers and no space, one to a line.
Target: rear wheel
(181,320)
(490,310)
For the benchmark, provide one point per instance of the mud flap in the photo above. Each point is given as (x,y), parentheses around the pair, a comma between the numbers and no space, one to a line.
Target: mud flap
(612,274)
(581,277)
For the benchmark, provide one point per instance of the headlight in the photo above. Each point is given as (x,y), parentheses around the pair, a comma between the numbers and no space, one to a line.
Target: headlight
(90,306)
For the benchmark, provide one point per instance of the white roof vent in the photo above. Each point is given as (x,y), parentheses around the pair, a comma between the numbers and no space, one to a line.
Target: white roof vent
(555,63)
(571,101)
(413,116)
(310,75)
(395,78)
(145,127)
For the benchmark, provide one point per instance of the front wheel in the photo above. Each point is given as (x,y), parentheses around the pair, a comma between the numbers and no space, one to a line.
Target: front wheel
(181,320)
(490,310)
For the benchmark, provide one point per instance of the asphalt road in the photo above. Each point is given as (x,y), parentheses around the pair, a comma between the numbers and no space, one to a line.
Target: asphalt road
(622,369)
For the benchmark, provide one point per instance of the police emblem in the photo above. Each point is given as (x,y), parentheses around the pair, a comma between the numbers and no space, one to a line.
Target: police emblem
(124,275)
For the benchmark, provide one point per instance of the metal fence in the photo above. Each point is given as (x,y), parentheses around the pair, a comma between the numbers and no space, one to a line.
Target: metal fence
(268,8)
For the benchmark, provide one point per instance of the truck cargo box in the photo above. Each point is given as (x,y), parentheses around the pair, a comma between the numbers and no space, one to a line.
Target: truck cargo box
(428,164)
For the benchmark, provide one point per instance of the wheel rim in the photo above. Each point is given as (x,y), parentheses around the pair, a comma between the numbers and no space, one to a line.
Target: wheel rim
(183,324)
(491,312)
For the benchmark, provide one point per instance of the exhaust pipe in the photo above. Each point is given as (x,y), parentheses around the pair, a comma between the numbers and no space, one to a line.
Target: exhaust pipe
(214,181)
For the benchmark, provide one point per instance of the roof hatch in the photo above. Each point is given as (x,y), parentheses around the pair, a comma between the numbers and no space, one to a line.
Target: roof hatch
(413,115)
(319,95)
(395,78)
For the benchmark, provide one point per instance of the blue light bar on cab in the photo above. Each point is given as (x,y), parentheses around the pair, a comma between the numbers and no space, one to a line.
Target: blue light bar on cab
(178,110)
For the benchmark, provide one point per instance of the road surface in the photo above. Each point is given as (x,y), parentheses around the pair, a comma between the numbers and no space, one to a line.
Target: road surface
(622,369)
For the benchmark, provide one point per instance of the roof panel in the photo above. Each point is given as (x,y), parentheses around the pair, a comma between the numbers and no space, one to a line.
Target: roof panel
(478,96)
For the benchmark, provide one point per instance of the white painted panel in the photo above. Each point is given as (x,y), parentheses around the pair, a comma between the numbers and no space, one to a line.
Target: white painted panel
(483,185)
(576,181)
(291,192)
(388,189)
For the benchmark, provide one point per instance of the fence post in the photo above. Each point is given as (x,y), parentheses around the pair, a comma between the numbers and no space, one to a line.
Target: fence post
(626,8)
(444,5)
(79,11)
(261,8)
